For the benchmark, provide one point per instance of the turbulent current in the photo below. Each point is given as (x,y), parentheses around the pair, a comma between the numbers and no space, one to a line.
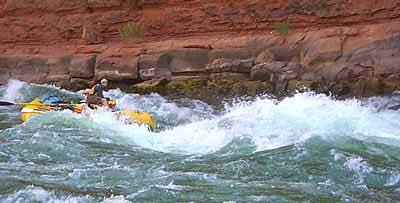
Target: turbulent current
(305,148)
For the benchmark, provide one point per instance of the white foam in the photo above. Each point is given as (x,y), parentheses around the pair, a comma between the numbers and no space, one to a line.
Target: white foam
(169,111)
(37,194)
(116,199)
(195,129)
(393,180)
(12,90)
(267,124)
(358,165)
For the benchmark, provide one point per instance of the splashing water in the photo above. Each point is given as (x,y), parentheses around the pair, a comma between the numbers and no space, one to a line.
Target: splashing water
(12,90)
(306,148)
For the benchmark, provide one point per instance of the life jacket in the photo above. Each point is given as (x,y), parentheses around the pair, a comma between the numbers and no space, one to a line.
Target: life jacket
(97,93)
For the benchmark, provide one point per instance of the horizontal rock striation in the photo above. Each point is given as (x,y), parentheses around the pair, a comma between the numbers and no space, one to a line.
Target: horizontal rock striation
(348,47)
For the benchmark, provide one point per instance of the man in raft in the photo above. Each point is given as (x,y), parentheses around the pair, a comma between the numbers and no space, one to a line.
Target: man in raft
(95,94)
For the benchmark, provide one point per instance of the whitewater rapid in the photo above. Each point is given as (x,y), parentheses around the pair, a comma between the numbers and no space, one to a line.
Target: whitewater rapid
(269,124)
(344,134)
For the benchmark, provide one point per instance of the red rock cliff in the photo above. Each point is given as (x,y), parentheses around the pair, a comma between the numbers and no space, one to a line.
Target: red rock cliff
(350,46)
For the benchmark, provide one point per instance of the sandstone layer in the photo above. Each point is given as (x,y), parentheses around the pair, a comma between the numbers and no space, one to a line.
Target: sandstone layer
(227,47)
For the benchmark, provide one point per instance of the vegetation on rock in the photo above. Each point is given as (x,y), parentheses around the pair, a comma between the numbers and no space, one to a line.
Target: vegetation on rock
(282,28)
(132,32)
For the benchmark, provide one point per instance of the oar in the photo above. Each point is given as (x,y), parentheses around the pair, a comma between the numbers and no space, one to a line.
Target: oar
(3,103)
(74,106)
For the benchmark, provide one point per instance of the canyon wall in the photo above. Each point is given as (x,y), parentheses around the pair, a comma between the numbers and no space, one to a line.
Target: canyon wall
(348,47)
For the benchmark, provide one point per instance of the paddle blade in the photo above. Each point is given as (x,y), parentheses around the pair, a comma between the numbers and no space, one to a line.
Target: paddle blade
(3,103)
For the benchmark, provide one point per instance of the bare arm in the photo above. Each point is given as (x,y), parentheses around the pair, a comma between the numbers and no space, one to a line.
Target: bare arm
(88,91)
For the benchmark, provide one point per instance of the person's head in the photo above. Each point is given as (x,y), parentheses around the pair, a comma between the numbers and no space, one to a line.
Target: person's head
(91,83)
(104,82)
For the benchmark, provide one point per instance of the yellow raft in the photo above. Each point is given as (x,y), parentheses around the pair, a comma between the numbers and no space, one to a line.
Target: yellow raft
(37,107)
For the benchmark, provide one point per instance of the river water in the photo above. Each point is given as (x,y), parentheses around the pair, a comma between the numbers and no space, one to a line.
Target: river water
(305,148)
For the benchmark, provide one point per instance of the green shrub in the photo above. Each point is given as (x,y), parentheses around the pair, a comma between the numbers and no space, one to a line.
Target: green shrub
(283,28)
(132,32)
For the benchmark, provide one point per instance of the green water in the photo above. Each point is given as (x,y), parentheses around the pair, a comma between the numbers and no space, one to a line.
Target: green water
(308,148)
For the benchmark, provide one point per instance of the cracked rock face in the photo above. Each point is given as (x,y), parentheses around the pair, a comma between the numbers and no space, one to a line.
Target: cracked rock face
(346,47)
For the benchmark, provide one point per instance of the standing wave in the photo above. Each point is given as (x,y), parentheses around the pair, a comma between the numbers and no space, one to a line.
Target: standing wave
(304,148)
